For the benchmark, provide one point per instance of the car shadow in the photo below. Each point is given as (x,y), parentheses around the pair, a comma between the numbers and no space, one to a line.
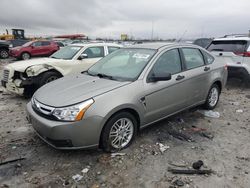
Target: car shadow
(237,83)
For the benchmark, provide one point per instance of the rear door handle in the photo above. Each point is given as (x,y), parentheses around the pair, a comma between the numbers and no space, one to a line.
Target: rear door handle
(206,68)
(180,77)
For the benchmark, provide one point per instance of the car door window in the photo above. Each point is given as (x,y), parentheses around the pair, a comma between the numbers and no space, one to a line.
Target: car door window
(168,62)
(94,52)
(45,43)
(37,44)
(112,49)
(209,59)
(193,58)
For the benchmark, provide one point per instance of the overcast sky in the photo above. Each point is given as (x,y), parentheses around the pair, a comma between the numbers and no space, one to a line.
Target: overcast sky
(110,18)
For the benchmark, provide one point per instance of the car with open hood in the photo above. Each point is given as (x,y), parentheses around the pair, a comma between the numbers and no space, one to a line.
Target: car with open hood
(124,92)
(25,77)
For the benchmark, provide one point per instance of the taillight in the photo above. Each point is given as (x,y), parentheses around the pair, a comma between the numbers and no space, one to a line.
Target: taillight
(244,54)
(225,67)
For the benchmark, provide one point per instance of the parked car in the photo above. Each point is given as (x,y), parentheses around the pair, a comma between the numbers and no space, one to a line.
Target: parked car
(203,42)
(34,49)
(236,52)
(125,91)
(24,77)
(17,42)
(4,49)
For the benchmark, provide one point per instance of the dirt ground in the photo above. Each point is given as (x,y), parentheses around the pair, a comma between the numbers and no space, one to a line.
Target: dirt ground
(223,144)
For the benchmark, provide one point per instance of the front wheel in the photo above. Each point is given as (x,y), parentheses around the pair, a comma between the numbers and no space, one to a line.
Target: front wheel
(48,77)
(119,132)
(213,97)
(25,56)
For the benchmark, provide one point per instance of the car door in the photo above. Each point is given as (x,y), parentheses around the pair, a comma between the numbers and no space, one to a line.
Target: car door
(197,74)
(166,97)
(36,48)
(46,48)
(91,56)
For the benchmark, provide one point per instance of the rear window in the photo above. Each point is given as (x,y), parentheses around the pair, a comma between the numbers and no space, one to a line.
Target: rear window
(228,46)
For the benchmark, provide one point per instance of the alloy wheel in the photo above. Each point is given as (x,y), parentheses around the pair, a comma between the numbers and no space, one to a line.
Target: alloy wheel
(213,96)
(121,133)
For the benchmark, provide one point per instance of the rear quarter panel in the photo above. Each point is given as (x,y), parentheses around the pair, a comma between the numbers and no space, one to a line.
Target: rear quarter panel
(219,71)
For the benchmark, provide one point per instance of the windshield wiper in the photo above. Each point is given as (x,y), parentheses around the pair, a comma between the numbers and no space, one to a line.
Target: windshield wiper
(100,75)
(53,57)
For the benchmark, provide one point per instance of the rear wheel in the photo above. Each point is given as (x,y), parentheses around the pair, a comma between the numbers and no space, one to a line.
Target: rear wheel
(48,77)
(119,132)
(213,97)
(25,56)
(4,53)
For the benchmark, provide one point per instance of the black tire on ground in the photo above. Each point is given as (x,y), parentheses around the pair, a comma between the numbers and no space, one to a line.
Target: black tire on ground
(4,53)
(211,105)
(48,77)
(106,141)
(25,56)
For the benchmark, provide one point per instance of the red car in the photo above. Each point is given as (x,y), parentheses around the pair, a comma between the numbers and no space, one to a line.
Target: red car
(34,48)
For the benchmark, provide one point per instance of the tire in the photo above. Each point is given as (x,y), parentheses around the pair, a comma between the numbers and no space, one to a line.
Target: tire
(111,142)
(4,53)
(212,97)
(48,77)
(25,56)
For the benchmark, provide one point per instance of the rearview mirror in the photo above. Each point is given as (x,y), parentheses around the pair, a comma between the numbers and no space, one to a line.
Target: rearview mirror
(160,76)
(82,56)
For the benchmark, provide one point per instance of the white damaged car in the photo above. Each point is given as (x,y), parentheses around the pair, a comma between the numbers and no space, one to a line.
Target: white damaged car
(25,77)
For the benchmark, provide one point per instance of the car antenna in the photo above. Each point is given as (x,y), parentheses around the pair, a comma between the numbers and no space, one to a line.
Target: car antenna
(182,36)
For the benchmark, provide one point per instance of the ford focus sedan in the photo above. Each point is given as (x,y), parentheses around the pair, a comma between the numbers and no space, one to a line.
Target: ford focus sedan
(124,92)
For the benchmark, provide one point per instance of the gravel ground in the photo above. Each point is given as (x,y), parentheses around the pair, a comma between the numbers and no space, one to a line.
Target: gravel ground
(223,144)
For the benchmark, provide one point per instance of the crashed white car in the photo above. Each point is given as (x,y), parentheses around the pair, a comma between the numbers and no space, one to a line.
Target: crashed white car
(24,77)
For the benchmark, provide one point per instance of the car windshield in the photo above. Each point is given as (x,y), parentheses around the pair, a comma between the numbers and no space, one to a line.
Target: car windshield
(124,64)
(27,44)
(66,53)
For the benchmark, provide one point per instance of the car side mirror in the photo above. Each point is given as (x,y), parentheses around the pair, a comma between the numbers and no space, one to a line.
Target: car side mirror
(82,56)
(32,46)
(160,76)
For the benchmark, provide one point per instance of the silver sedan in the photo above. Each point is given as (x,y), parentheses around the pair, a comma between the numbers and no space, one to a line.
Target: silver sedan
(124,92)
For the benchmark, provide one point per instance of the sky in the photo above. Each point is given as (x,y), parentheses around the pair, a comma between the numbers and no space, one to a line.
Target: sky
(142,19)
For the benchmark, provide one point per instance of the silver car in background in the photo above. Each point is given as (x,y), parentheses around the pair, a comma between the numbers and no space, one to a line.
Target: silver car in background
(127,90)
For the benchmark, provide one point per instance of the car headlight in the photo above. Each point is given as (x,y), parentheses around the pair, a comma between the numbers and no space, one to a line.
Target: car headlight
(72,113)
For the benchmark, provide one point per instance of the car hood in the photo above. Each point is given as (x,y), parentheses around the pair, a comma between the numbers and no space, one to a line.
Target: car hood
(16,48)
(74,89)
(22,65)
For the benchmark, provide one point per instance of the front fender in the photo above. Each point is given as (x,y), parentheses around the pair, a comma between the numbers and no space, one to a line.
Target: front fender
(35,70)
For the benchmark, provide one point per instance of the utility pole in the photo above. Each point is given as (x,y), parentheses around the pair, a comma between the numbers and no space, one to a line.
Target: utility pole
(152,31)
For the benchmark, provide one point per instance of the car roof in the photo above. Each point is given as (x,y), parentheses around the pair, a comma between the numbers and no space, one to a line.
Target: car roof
(232,39)
(95,44)
(158,45)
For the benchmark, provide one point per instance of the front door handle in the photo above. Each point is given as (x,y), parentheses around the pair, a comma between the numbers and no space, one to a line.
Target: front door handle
(206,68)
(180,77)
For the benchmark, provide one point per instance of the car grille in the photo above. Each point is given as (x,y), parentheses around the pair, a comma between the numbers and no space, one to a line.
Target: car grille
(6,75)
(41,108)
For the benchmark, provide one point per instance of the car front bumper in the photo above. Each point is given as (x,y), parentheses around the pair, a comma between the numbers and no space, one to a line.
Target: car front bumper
(13,87)
(67,135)
(14,53)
